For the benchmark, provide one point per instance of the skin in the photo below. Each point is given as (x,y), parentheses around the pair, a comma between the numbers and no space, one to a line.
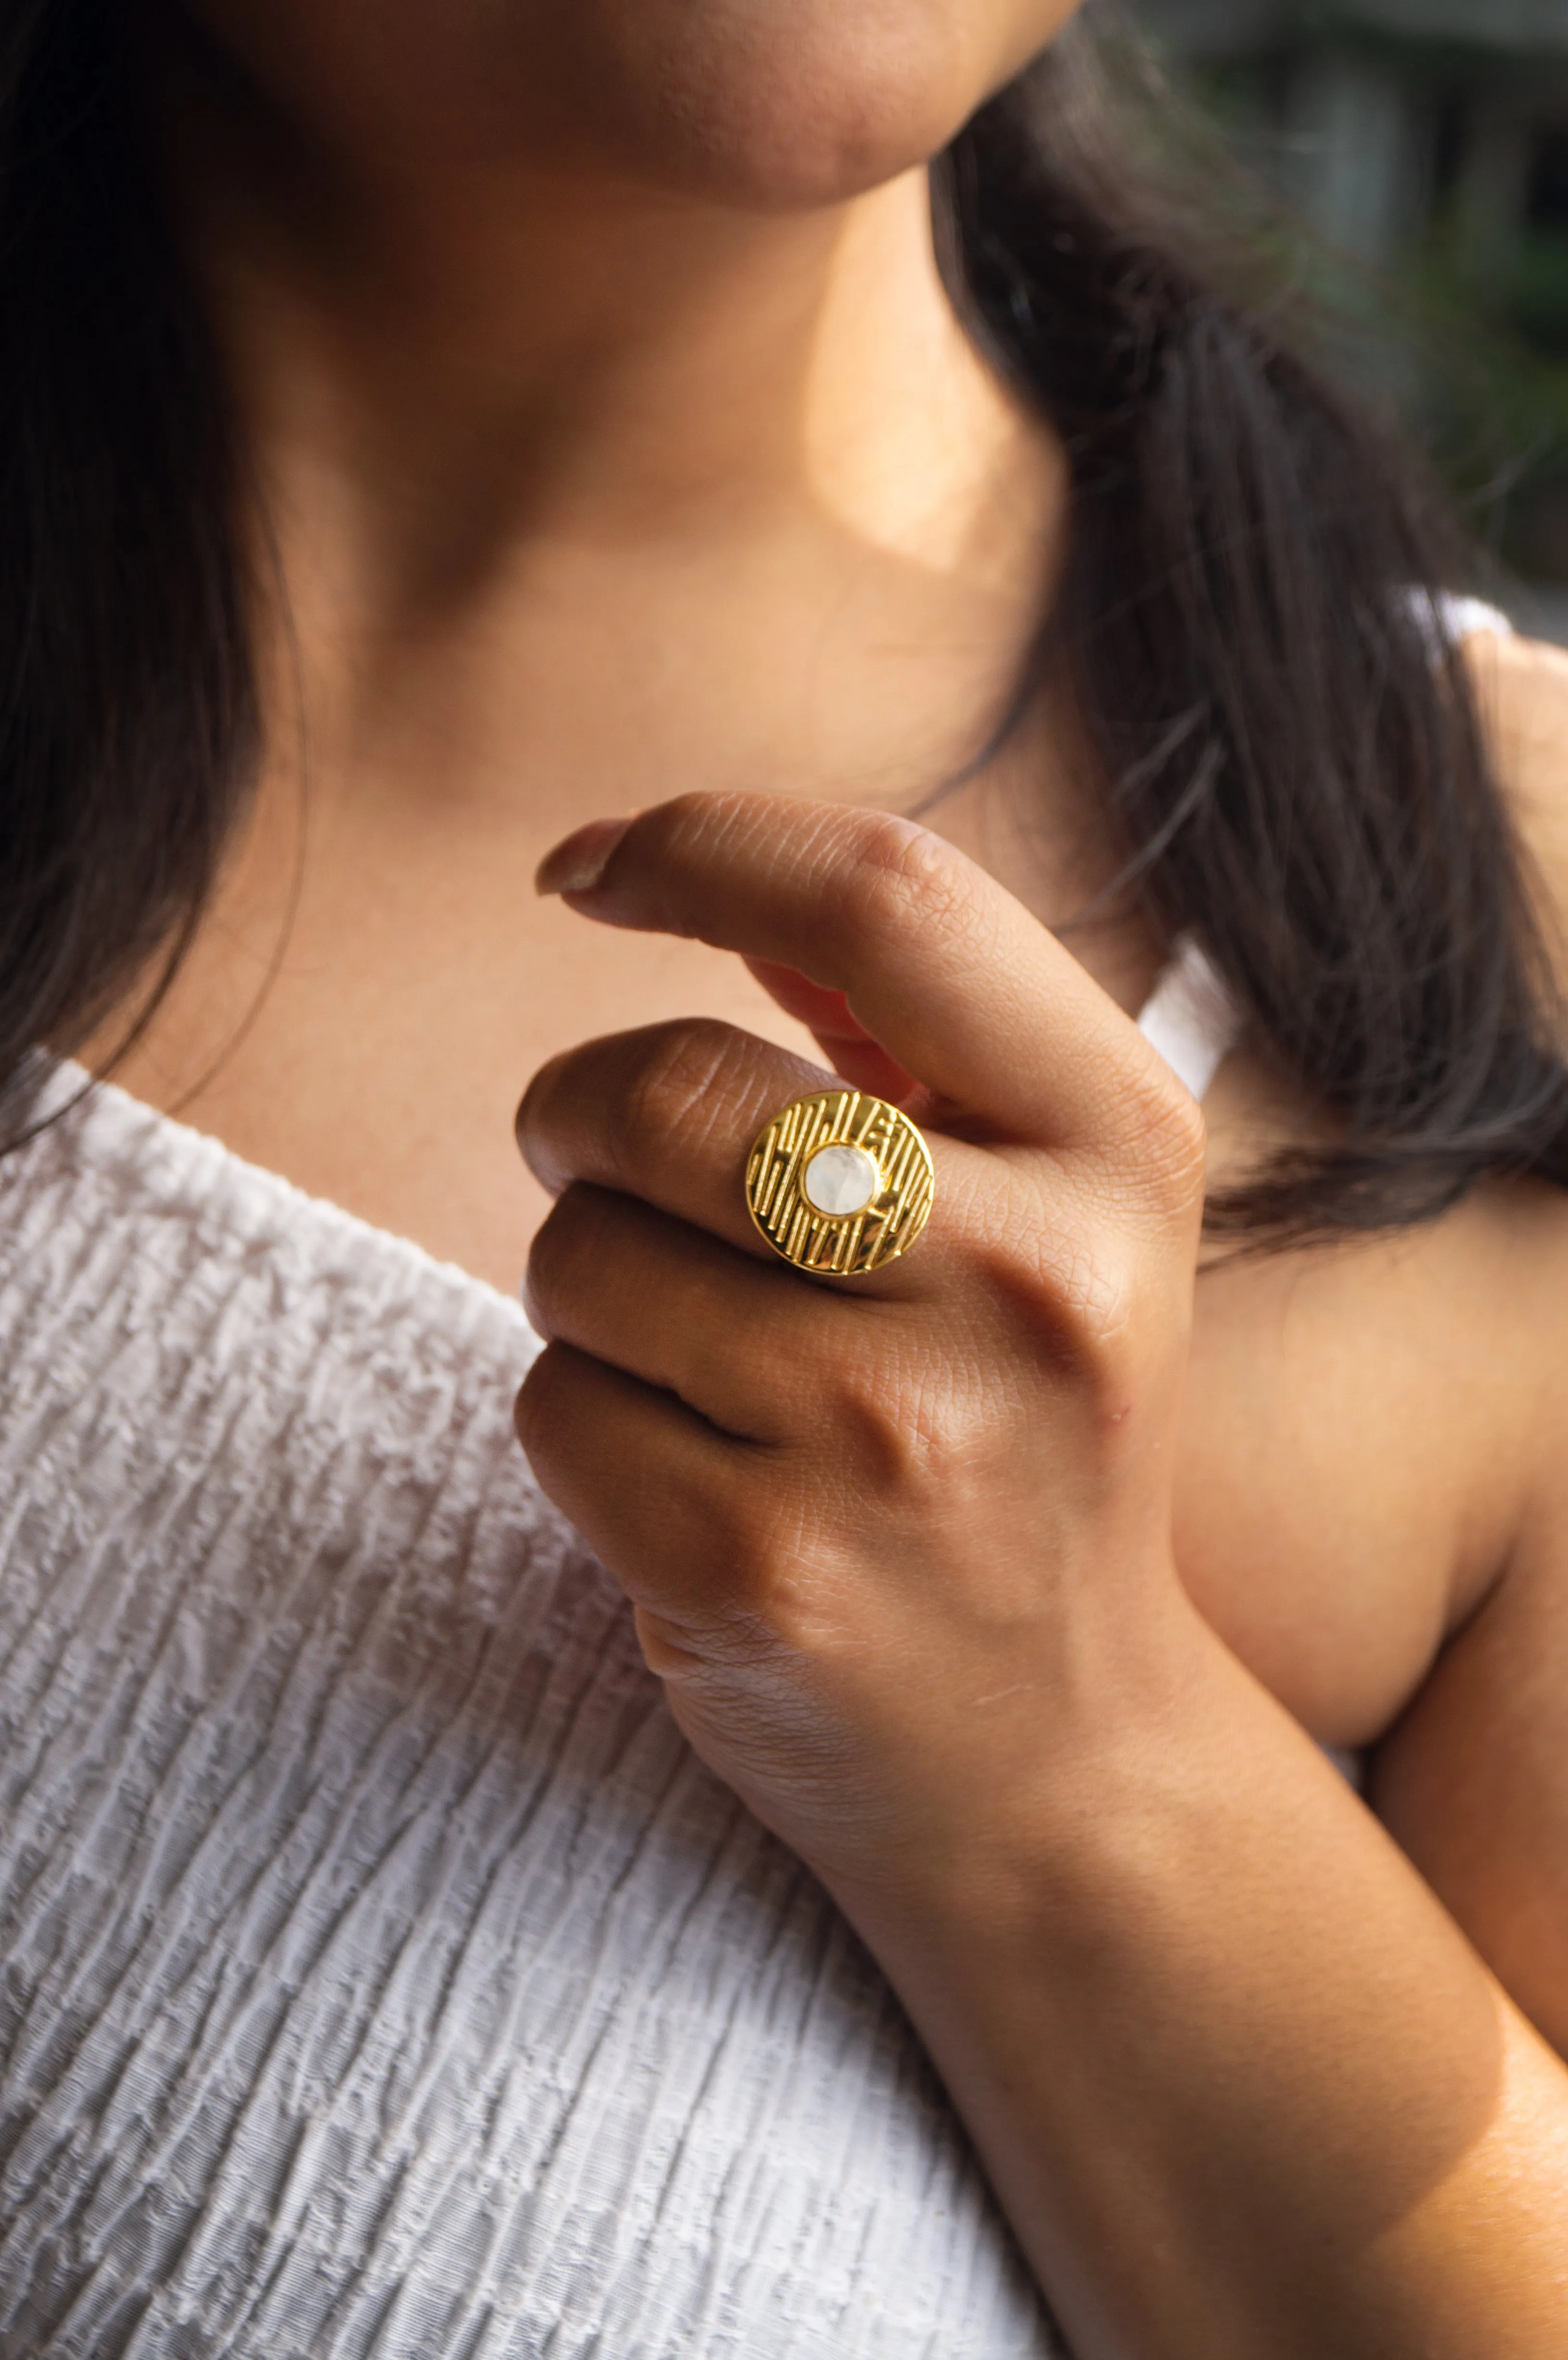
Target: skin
(1017,1592)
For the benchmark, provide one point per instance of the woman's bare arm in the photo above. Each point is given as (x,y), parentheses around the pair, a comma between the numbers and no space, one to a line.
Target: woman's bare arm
(1240,2079)
(1241,2083)
(1473,1781)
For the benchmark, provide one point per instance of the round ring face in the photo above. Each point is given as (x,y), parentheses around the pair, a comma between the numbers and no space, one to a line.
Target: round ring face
(840,1182)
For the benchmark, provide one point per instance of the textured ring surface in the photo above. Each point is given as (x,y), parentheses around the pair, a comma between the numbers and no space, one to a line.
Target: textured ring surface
(840,1182)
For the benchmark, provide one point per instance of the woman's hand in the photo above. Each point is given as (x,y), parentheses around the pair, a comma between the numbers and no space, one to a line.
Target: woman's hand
(900,1549)
(890,1540)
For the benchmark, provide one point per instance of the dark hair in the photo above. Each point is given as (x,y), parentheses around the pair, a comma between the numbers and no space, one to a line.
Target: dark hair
(1296,768)
(127,707)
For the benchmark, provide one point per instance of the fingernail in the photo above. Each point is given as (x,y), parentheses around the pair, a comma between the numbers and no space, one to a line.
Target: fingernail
(578,862)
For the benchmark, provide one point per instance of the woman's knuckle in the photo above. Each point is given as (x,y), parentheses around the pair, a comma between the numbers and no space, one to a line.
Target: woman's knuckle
(1176,1164)
(1177,1136)
(1153,1153)
(755,1540)
(1104,1291)
(902,875)
(536,1412)
(542,1291)
(548,1126)
(902,1429)
(679,1084)
(555,1257)
(535,1103)
(1058,1287)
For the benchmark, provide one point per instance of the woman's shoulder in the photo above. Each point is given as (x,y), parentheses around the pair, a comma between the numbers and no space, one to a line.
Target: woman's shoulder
(1473,1780)
(1522,685)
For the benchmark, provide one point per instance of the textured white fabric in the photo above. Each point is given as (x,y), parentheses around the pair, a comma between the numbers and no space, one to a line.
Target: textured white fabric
(1191,1018)
(1447,617)
(382,1977)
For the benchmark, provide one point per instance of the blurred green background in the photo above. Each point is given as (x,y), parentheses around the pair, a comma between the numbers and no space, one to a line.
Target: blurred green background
(1425,145)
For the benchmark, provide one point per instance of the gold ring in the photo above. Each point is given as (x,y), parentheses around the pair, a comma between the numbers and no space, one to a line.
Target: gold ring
(840,1182)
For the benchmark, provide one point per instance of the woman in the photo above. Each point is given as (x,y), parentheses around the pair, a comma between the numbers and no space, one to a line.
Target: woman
(433,436)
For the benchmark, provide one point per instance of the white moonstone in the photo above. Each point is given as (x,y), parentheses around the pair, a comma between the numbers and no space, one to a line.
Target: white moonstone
(840,1180)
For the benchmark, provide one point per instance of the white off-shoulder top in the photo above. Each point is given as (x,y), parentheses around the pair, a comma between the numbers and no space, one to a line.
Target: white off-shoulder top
(381,1978)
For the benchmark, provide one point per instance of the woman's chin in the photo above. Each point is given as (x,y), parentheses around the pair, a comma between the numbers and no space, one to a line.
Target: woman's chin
(773,104)
(803,103)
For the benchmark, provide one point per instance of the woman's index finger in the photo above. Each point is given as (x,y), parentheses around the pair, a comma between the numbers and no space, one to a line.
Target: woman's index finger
(951,975)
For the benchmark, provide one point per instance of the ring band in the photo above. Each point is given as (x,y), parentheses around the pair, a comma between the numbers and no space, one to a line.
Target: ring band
(840,1182)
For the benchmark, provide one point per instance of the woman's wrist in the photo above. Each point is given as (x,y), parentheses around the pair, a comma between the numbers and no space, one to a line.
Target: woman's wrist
(1061,1776)
(1187,1995)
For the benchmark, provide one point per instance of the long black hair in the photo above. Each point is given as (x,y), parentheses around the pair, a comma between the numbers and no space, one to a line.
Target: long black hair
(1294,761)
(128,714)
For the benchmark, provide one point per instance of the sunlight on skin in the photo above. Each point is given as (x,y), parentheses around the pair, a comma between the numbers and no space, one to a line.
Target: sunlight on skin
(882,463)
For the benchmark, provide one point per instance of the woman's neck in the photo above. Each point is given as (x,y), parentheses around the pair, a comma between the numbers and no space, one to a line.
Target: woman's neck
(572,504)
(616,465)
